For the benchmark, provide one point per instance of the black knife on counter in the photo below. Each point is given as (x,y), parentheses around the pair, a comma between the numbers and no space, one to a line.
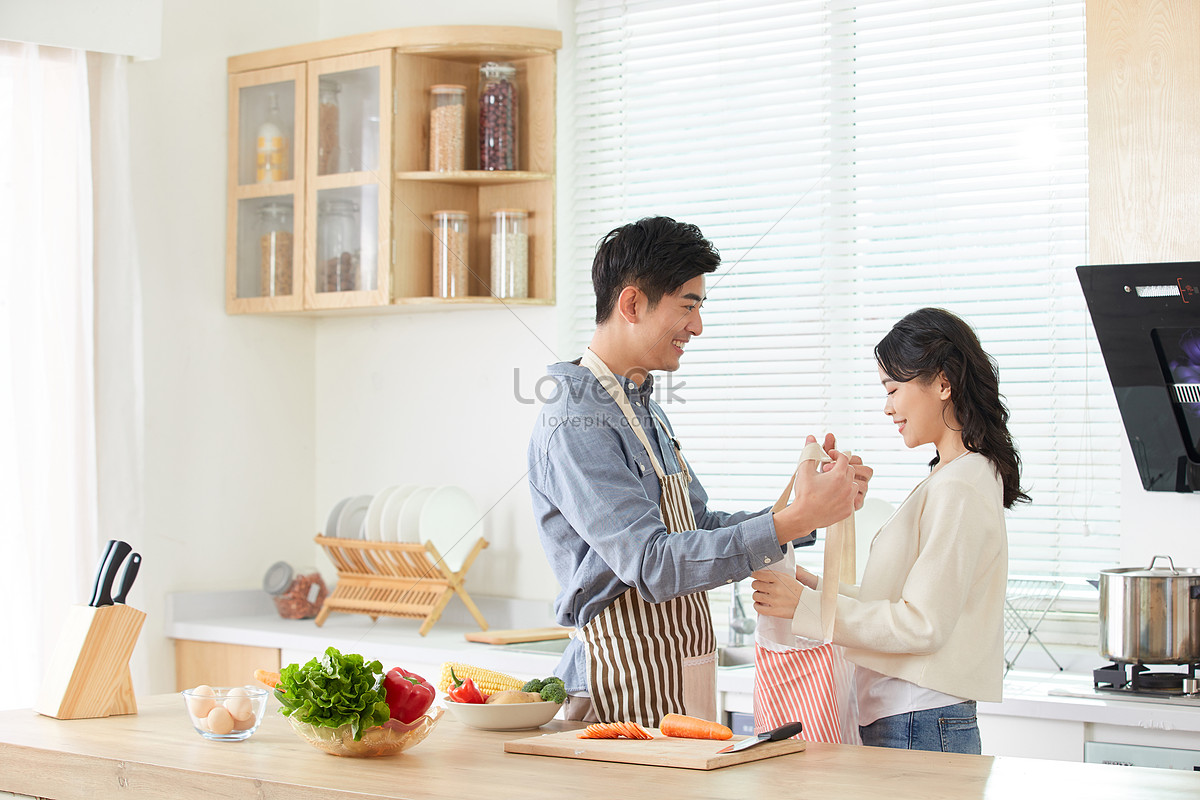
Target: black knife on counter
(114,553)
(779,734)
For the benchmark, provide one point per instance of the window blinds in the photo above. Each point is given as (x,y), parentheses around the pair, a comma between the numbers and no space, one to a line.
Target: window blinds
(853,163)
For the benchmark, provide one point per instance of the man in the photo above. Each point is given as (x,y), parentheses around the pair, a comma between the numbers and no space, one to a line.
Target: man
(624,524)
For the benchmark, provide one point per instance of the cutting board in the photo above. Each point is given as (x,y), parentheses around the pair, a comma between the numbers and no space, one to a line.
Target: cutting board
(517,635)
(662,751)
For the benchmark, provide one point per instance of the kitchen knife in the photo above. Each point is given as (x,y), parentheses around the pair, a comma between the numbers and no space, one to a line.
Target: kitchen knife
(131,571)
(782,732)
(100,570)
(107,573)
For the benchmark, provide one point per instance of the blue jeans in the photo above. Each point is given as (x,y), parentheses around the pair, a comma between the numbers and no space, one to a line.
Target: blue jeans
(950,729)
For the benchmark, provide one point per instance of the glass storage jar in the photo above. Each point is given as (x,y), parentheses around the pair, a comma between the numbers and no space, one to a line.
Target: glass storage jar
(328,132)
(271,146)
(447,127)
(298,593)
(497,116)
(338,253)
(510,253)
(275,249)
(451,237)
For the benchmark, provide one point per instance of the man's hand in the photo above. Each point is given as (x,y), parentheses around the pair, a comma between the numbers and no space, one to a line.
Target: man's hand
(821,498)
(862,473)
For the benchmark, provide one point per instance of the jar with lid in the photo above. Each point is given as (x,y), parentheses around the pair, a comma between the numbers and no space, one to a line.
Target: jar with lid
(275,249)
(497,116)
(298,593)
(451,236)
(328,132)
(271,146)
(510,252)
(338,253)
(447,127)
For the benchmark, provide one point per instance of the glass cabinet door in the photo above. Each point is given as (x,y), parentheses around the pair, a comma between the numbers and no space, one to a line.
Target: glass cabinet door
(348,198)
(264,250)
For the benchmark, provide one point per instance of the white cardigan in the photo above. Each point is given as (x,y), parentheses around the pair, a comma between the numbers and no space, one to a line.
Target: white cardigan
(930,608)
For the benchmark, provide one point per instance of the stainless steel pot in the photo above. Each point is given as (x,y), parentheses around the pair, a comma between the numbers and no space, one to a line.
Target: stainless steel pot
(1150,614)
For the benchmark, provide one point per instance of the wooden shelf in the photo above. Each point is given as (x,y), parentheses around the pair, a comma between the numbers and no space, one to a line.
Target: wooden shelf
(478,177)
(395,184)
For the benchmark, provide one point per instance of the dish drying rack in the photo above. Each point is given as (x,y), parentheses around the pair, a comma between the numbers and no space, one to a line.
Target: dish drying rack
(1026,603)
(389,579)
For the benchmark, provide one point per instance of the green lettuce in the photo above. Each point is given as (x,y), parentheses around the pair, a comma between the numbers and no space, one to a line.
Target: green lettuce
(333,691)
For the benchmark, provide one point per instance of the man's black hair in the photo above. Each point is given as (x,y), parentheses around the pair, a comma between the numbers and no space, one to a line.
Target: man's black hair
(655,254)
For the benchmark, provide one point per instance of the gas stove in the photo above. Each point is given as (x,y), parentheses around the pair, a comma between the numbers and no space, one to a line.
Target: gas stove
(1135,678)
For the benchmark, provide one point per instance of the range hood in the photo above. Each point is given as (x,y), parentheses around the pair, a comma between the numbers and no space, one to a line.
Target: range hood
(1147,320)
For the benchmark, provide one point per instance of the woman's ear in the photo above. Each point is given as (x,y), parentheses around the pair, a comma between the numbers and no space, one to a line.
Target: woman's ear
(943,384)
(627,304)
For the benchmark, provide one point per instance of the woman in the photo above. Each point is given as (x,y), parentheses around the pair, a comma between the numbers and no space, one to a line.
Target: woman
(925,628)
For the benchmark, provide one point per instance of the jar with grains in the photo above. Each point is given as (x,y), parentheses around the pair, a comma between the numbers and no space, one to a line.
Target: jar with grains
(451,237)
(328,133)
(447,127)
(497,116)
(275,249)
(510,253)
(298,593)
(338,254)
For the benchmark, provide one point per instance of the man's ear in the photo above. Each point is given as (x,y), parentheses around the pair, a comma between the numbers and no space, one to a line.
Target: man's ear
(629,304)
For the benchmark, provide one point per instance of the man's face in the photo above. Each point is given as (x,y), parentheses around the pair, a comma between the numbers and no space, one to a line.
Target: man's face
(665,330)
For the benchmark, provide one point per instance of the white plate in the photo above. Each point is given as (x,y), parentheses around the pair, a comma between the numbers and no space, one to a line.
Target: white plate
(373,525)
(408,527)
(503,716)
(354,513)
(331,523)
(450,520)
(389,523)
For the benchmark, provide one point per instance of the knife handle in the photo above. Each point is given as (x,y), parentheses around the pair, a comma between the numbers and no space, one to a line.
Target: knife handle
(119,552)
(131,571)
(785,731)
(101,568)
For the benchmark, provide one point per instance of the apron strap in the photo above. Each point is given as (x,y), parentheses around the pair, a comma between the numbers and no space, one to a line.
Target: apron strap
(611,385)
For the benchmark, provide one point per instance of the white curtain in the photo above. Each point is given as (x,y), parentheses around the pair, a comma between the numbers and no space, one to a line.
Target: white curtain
(55,269)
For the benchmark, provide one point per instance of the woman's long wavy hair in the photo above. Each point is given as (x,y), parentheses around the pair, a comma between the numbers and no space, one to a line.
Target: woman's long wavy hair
(932,341)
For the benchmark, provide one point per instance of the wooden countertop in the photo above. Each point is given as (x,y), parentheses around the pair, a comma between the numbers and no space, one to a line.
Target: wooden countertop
(157,754)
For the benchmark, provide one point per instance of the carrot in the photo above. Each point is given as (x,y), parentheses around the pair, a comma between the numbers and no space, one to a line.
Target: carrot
(266,676)
(684,727)
(615,730)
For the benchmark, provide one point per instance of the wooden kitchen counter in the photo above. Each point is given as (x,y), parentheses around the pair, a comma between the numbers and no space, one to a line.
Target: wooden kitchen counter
(156,753)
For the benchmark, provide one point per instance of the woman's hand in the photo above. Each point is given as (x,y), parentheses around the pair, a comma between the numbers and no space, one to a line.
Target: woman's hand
(805,577)
(776,594)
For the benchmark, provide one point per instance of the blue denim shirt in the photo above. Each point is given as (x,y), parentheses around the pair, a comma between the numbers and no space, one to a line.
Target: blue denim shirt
(595,503)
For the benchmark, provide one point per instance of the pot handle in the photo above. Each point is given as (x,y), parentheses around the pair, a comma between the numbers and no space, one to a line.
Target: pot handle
(1196,591)
(1169,561)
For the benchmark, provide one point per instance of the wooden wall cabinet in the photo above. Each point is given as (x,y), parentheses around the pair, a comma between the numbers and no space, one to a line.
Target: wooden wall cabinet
(354,119)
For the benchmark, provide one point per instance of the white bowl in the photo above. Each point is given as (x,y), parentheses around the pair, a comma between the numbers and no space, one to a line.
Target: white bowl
(503,716)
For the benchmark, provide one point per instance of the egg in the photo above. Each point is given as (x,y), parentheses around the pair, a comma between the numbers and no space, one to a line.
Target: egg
(201,701)
(245,724)
(220,721)
(238,704)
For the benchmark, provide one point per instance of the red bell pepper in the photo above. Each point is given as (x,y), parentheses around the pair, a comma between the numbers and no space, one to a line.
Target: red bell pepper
(408,694)
(464,691)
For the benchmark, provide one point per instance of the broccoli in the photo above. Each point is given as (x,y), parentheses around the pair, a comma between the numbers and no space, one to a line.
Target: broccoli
(554,690)
(534,685)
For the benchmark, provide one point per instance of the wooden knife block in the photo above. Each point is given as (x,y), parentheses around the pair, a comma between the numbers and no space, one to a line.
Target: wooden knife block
(88,676)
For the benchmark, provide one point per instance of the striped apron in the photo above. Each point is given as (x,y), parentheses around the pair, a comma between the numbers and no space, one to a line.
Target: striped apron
(646,659)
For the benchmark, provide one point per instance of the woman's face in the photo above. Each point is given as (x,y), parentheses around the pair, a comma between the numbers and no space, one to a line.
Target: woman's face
(918,408)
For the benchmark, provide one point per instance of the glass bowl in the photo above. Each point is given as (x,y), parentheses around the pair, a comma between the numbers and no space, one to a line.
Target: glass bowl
(225,713)
(386,740)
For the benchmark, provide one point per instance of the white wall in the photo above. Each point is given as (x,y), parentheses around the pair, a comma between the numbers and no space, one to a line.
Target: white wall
(256,426)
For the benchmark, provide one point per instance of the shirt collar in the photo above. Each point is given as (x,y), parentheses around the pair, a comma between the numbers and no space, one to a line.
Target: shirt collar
(634,391)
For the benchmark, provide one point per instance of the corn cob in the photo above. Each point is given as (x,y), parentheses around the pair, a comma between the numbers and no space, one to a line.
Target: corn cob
(488,681)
